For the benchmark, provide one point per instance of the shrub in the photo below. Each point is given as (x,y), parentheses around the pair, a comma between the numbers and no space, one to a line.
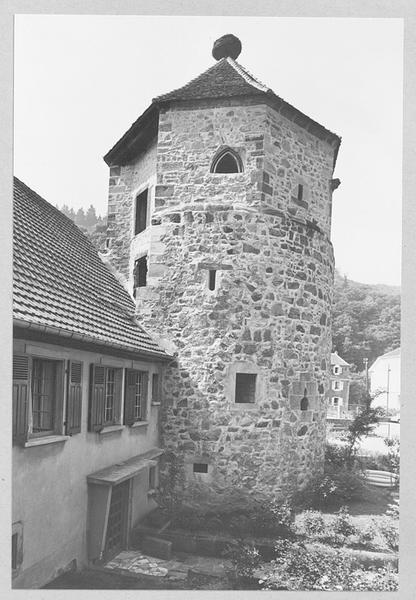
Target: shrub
(245,559)
(389,529)
(366,535)
(335,487)
(342,524)
(300,568)
(313,523)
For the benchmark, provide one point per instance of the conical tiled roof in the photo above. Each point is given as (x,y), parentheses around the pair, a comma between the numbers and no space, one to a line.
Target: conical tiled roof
(225,79)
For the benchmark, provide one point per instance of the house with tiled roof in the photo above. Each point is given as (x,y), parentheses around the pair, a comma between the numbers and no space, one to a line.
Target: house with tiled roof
(86,398)
(339,388)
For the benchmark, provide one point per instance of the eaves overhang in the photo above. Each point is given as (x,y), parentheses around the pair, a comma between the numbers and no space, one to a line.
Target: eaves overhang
(55,335)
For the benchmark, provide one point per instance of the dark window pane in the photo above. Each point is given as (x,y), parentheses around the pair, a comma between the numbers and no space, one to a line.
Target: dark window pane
(200,468)
(43,395)
(245,388)
(227,164)
(141,212)
(211,280)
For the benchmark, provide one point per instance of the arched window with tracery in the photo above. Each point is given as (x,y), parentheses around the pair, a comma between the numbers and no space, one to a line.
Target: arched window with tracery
(227,161)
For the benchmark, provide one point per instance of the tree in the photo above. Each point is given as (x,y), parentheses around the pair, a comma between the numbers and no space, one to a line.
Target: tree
(90,217)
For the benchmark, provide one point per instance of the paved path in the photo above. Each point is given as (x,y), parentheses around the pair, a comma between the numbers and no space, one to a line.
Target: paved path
(134,562)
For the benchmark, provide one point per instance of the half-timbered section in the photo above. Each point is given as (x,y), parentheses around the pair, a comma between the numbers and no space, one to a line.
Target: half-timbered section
(87,383)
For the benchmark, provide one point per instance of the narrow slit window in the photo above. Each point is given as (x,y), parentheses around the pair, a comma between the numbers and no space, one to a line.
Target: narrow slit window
(155,387)
(245,388)
(300,191)
(152,478)
(141,212)
(200,468)
(212,275)
(140,273)
(14,551)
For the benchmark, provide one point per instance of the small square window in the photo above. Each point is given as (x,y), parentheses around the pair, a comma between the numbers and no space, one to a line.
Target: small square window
(245,388)
(200,468)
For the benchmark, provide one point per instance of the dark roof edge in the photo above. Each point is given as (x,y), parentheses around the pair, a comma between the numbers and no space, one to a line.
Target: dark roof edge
(120,149)
(86,339)
(128,139)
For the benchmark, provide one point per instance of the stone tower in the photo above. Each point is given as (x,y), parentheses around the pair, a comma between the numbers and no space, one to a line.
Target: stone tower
(219,222)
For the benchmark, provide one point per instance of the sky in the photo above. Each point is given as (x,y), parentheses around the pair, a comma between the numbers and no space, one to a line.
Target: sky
(80,81)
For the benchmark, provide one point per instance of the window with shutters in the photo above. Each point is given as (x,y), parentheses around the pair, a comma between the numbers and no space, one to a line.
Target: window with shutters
(245,388)
(105,397)
(135,402)
(141,212)
(38,397)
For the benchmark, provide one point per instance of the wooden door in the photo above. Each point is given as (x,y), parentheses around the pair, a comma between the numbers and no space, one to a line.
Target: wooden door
(116,538)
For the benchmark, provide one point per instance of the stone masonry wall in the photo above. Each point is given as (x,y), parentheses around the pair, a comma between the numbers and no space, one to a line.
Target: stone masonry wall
(270,311)
(124,185)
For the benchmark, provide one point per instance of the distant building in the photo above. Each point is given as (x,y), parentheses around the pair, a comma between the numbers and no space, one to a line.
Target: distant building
(385,381)
(340,387)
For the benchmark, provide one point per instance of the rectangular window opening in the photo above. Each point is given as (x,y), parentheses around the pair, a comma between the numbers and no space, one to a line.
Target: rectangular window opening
(200,468)
(245,388)
(152,478)
(300,191)
(109,396)
(140,273)
(211,279)
(155,388)
(141,212)
(44,386)
(14,550)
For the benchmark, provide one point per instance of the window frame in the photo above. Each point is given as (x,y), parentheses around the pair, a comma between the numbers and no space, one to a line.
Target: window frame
(243,375)
(141,198)
(130,397)
(98,397)
(337,385)
(220,156)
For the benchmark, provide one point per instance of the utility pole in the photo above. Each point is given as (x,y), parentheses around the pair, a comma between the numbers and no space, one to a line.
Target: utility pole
(387,400)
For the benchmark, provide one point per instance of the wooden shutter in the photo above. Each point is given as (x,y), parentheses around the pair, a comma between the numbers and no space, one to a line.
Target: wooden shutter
(118,392)
(96,406)
(21,388)
(129,396)
(145,384)
(74,398)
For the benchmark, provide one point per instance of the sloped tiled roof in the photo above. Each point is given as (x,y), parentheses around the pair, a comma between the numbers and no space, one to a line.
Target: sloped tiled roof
(337,360)
(61,284)
(225,79)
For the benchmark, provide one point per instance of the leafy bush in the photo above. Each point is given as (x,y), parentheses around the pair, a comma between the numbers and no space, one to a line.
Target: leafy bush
(298,567)
(342,524)
(390,531)
(245,559)
(367,534)
(332,489)
(257,518)
(313,523)
(392,459)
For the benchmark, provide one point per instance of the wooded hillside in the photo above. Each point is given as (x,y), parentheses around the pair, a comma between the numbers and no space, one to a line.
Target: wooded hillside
(365,320)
